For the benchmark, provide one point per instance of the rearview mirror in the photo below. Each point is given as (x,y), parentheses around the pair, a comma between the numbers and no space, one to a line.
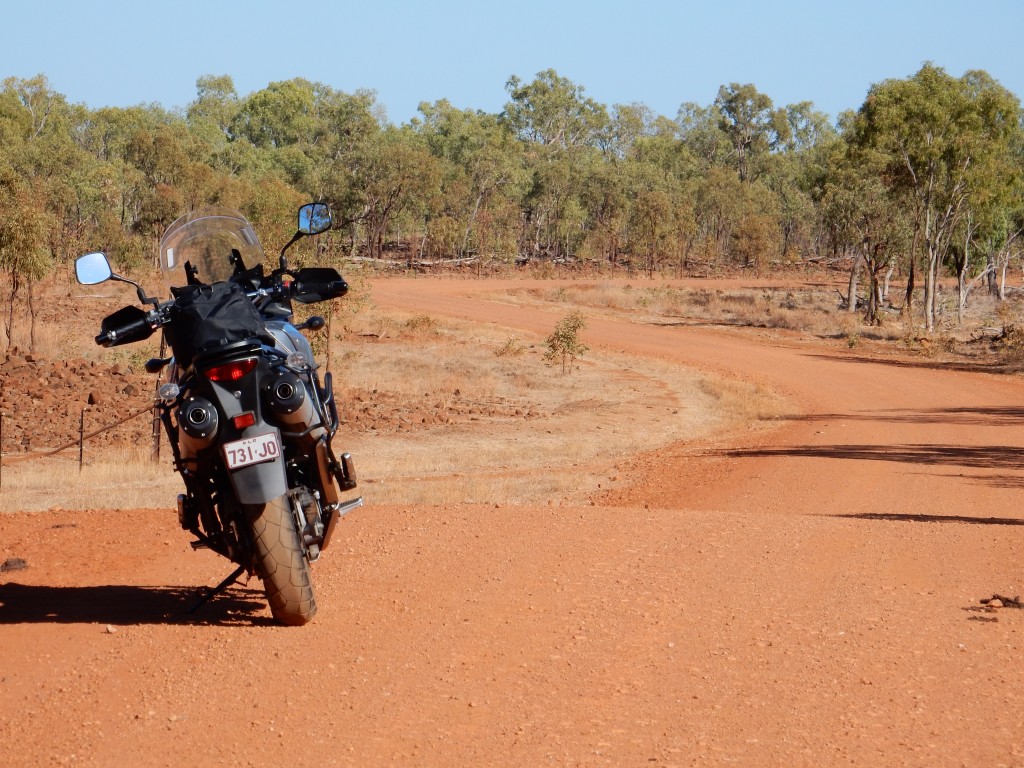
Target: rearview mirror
(314,218)
(92,268)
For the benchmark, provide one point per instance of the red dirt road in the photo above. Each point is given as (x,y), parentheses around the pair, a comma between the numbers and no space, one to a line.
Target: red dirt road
(803,596)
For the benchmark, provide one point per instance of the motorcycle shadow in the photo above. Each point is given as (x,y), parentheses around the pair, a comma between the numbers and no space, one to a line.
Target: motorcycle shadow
(125,605)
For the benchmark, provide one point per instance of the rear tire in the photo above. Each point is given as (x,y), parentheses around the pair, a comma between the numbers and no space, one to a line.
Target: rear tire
(281,564)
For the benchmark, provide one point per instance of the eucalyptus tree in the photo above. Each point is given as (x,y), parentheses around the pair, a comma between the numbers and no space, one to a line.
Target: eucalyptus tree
(866,218)
(310,136)
(999,234)
(606,195)
(552,111)
(395,178)
(756,237)
(40,164)
(215,108)
(748,152)
(795,172)
(349,125)
(484,179)
(627,125)
(719,206)
(345,123)
(561,129)
(280,115)
(752,125)
(992,226)
(700,132)
(937,132)
(24,255)
(652,214)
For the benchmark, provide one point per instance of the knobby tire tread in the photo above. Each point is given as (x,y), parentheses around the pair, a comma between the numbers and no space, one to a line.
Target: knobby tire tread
(282,565)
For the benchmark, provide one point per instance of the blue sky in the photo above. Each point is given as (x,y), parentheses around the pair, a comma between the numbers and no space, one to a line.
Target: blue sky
(663,54)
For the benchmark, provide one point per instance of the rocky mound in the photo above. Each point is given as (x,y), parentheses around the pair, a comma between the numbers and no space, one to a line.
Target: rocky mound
(45,402)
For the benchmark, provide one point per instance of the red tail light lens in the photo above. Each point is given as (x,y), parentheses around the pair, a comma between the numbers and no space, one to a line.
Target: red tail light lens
(243,420)
(232,371)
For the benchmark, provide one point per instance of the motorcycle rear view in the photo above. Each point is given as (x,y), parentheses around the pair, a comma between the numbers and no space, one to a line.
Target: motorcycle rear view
(249,419)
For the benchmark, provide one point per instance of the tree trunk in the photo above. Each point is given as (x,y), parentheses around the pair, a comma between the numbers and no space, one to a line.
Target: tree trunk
(888,280)
(929,293)
(872,313)
(992,282)
(875,290)
(851,299)
(9,322)
(908,299)
(31,317)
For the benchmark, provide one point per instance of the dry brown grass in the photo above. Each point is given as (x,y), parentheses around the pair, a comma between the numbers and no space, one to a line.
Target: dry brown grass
(124,479)
(813,310)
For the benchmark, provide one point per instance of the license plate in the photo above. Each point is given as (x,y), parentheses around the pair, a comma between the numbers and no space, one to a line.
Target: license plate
(251,450)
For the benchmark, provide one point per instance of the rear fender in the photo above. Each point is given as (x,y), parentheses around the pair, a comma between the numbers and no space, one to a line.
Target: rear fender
(260,483)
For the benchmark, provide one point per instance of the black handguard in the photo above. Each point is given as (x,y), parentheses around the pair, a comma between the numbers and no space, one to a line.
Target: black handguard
(313,284)
(125,326)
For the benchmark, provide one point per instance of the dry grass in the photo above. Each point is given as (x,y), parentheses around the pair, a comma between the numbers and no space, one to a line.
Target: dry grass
(812,310)
(118,479)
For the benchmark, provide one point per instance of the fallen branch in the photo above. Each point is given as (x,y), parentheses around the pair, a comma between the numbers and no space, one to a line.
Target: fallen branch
(1007,602)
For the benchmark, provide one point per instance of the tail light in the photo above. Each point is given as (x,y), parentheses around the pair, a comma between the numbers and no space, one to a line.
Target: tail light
(232,371)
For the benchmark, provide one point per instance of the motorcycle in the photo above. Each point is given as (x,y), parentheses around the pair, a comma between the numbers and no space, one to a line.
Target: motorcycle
(248,419)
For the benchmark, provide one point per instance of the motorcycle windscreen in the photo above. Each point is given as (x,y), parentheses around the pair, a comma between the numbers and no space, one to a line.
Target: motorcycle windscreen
(206,238)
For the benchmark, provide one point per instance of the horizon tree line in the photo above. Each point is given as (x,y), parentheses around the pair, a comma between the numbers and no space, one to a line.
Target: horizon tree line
(923,180)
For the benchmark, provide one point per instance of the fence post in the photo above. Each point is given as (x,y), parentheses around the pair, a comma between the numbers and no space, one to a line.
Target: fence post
(155,455)
(81,440)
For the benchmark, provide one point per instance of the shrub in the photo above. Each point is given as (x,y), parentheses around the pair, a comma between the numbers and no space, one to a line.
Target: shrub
(564,343)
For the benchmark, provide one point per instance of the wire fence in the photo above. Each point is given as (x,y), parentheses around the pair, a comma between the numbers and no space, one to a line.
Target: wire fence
(80,442)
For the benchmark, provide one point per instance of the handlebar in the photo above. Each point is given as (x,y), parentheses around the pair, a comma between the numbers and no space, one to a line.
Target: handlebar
(127,325)
(307,286)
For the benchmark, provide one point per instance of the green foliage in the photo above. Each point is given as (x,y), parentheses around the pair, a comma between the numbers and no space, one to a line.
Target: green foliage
(556,177)
(948,146)
(752,126)
(564,344)
(552,111)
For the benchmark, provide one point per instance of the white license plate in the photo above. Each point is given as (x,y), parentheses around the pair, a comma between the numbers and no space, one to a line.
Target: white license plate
(251,450)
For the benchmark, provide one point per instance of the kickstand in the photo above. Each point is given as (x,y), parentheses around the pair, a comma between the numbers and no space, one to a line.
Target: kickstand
(212,593)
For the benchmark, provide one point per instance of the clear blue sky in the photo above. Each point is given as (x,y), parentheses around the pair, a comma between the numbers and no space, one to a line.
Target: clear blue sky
(660,53)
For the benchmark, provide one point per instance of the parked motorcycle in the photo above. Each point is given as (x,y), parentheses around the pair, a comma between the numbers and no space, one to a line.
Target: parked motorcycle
(248,419)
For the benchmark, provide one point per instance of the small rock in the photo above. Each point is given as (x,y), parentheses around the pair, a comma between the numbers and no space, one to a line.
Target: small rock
(13,564)
(111,629)
(995,603)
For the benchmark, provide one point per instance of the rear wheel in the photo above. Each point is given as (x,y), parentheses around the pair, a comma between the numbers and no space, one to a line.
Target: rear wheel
(281,563)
